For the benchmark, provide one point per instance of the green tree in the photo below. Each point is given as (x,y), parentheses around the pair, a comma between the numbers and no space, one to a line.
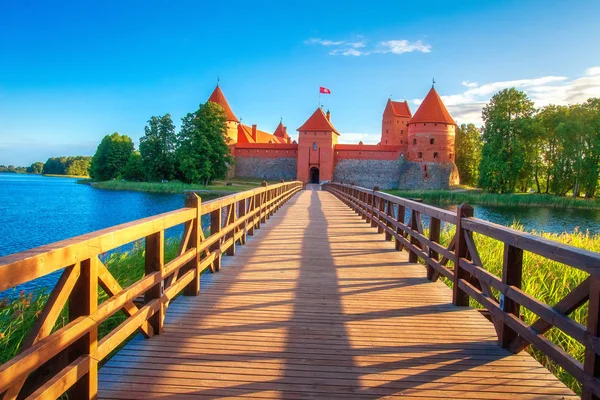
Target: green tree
(112,154)
(134,169)
(203,153)
(157,148)
(468,153)
(55,166)
(78,166)
(508,125)
(36,168)
(553,171)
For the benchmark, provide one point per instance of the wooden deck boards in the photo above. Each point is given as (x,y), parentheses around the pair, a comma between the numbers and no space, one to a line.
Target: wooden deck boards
(318,305)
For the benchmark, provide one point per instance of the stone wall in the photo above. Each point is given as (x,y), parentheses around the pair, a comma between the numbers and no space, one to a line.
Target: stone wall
(272,169)
(427,175)
(368,173)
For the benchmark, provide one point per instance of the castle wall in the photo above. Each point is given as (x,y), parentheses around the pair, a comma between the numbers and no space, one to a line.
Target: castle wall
(426,175)
(368,172)
(266,161)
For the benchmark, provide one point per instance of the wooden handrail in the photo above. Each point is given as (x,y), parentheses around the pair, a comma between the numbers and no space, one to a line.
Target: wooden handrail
(73,352)
(470,279)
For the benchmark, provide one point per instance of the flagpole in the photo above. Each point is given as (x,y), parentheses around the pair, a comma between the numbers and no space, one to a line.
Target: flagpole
(319,105)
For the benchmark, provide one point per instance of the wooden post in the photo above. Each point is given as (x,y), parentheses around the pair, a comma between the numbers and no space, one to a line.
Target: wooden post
(591,364)
(512,272)
(192,200)
(390,214)
(374,205)
(412,256)
(380,216)
(231,217)
(155,261)
(400,218)
(242,205)
(459,297)
(364,199)
(84,301)
(215,228)
(263,201)
(434,236)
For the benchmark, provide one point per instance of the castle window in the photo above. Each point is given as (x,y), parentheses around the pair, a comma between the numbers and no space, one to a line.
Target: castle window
(420,155)
(414,141)
(401,131)
(450,157)
(314,145)
(386,142)
(435,155)
(386,131)
(397,122)
(431,141)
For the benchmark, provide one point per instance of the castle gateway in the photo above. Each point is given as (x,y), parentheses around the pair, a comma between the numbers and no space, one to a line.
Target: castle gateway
(415,151)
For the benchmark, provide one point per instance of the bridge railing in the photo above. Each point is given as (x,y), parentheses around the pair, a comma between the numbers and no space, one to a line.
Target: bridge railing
(470,278)
(52,361)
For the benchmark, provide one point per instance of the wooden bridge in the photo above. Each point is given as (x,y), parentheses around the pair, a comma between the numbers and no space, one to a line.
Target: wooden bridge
(319,303)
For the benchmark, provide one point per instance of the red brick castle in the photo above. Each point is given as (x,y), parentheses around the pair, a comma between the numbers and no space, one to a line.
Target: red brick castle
(415,151)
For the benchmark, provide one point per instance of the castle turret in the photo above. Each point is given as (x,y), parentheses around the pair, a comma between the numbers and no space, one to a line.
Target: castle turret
(431,131)
(281,132)
(316,139)
(394,129)
(218,97)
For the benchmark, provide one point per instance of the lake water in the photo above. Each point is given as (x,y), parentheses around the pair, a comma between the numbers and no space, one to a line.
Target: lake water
(37,210)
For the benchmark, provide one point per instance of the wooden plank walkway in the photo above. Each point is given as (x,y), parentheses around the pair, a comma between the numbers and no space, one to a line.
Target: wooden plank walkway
(318,305)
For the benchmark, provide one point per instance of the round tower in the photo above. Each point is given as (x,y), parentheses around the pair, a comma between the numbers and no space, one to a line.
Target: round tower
(431,131)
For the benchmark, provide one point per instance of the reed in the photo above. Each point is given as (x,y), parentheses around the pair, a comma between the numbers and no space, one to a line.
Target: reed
(216,189)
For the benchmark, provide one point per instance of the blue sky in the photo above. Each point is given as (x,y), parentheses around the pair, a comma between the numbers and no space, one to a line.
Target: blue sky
(71,72)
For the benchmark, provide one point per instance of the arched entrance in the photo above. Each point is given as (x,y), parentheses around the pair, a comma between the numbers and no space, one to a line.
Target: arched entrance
(314,175)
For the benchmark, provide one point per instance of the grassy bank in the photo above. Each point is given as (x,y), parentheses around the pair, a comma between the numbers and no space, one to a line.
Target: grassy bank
(546,280)
(451,197)
(66,176)
(217,188)
(18,315)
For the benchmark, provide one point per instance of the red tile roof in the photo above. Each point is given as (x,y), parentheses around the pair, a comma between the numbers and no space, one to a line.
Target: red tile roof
(245,136)
(432,110)
(318,122)
(218,97)
(398,108)
(281,131)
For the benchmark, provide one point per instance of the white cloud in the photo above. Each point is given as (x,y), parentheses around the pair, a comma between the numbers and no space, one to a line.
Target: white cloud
(402,46)
(350,48)
(469,84)
(466,107)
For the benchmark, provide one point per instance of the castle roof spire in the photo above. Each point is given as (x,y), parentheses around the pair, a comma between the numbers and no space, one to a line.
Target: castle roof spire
(432,110)
(318,121)
(218,97)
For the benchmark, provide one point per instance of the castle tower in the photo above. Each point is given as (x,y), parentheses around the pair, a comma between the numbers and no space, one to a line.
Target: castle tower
(394,124)
(431,131)
(218,97)
(316,139)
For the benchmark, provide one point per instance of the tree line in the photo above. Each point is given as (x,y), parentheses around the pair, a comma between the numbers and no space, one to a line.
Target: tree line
(552,150)
(77,165)
(198,153)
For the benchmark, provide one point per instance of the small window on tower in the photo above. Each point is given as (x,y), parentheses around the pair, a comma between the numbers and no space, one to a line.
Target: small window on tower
(431,141)
(314,145)
(420,155)
(414,141)
(401,131)
(386,131)
(450,156)
(435,155)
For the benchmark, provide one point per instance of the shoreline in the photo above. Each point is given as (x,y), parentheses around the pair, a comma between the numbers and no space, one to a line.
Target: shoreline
(481,198)
(175,187)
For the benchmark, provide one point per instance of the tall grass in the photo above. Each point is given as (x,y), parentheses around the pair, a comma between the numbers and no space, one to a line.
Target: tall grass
(217,189)
(19,313)
(547,281)
(450,197)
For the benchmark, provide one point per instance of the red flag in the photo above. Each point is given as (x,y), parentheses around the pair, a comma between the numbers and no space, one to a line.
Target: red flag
(324,90)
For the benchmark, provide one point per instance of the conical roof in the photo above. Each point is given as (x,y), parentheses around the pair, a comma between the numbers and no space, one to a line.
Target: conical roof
(318,122)
(432,110)
(218,97)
